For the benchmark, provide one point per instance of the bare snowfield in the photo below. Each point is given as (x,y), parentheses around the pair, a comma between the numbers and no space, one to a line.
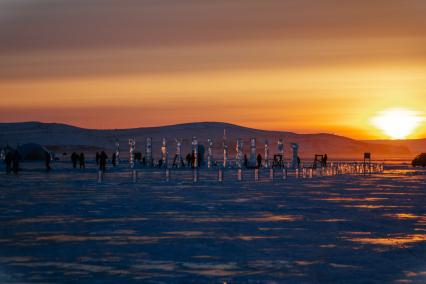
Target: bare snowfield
(64,227)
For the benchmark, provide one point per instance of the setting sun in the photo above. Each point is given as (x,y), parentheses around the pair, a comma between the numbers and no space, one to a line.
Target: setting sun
(397,123)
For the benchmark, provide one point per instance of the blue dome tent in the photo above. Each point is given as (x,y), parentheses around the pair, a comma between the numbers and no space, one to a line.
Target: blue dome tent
(33,152)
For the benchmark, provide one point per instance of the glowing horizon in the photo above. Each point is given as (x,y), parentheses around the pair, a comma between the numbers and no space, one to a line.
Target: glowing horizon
(306,66)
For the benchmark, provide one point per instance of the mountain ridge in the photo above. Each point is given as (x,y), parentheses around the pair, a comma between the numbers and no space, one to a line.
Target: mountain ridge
(59,134)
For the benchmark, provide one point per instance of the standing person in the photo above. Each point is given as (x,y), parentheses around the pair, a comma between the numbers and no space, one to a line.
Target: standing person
(16,159)
(245,161)
(199,159)
(114,160)
(298,162)
(103,161)
(82,161)
(74,158)
(188,160)
(97,158)
(47,159)
(259,160)
(8,161)
(325,161)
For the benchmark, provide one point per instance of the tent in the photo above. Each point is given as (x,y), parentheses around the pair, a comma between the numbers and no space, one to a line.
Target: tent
(33,152)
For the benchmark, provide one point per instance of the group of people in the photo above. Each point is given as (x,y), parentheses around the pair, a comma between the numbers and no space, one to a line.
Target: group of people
(101,160)
(277,163)
(190,160)
(12,160)
(320,159)
(78,158)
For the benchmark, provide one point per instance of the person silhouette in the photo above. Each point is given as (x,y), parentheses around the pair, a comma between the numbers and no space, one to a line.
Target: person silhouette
(47,159)
(188,160)
(325,161)
(259,161)
(82,161)
(103,161)
(114,160)
(74,158)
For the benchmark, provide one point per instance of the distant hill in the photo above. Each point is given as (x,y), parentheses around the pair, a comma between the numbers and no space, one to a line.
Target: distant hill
(415,146)
(61,136)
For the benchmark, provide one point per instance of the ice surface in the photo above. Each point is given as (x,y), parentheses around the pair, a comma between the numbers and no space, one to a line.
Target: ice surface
(64,227)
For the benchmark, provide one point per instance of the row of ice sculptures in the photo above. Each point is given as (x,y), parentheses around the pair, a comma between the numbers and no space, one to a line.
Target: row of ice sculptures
(241,160)
(226,161)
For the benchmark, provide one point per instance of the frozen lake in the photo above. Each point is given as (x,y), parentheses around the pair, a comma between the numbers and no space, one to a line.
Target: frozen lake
(64,227)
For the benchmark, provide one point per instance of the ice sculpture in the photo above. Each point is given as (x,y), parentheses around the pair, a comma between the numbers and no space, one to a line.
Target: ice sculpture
(253,152)
(266,157)
(280,147)
(295,162)
(164,153)
(148,151)
(195,151)
(279,156)
(117,152)
(209,153)
(225,150)
(132,145)
(178,160)
(239,153)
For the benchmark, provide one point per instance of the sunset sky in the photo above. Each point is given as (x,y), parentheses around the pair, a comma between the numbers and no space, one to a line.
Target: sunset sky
(304,65)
